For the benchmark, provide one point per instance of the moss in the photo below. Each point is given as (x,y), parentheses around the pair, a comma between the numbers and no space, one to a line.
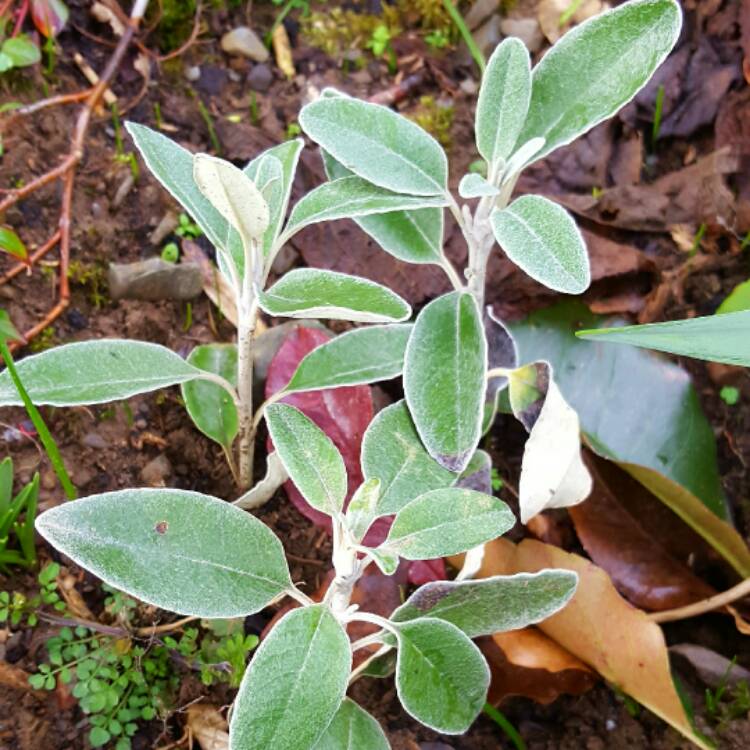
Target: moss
(44,340)
(91,276)
(435,117)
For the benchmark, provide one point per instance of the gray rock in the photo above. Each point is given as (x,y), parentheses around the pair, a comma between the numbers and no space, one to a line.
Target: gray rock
(469,86)
(154,279)
(94,440)
(156,472)
(244,41)
(526,29)
(192,73)
(260,78)
(488,36)
(479,12)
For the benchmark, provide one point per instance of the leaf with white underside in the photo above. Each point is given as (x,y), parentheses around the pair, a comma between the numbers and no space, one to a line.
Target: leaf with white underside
(349,197)
(178,550)
(521,158)
(597,68)
(393,453)
(503,100)
(312,460)
(362,509)
(447,522)
(377,144)
(94,372)
(362,355)
(234,195)
(491,605)
(209,405)
(386,560)
(475,186)
(553,474)
(314,293)
(542,239)
(441,676)
(444,378)
(294,685)
(353,729)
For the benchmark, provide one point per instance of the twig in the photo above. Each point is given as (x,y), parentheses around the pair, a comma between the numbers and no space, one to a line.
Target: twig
(705,605)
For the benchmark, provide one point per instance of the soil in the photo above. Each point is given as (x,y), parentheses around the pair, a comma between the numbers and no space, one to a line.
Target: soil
(108,447)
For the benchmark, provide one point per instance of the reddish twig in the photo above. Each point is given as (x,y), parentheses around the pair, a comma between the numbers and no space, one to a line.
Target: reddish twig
(33,258)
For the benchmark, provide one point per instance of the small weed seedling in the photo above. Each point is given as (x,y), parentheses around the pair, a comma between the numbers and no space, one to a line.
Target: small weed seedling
(200,556)
(17,514)
(16,607)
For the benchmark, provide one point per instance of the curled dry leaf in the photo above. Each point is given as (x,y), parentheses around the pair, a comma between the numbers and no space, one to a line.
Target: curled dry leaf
(206,724)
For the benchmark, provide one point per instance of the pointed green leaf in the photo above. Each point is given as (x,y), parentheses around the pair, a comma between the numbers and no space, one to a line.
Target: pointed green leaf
(308,454)
(717,338)
(294,684)
(209,405)
(444,378)
(11,243)
(441,676)
(313,293)
(491,605)
(542,239)
(93,372)
(377,144)
(393,453)
(447,522)
(362,510)
(503,100)
(475,186)
(178,550)
(597,68)
(362,355)
(353,729)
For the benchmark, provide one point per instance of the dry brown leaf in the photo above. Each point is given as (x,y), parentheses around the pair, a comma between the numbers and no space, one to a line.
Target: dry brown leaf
(216,287)
(76,605)
(207,725)
(282,50)
(601,628)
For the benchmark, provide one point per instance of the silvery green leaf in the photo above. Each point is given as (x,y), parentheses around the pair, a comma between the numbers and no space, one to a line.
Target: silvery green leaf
(294,685)
(542,239)
(597,68)
(377,144)
(393,453)
(209,405)
(444,378)
(447,522)
(522,157)
(312,460)
(503,100)
(362,355)
(353,729)
(350,197)
(178,550)
(362,509)
(233,194)
(473,185)
(314,293)
(441,676)
(386,560)
(477,475)
(491,605)
(93,372)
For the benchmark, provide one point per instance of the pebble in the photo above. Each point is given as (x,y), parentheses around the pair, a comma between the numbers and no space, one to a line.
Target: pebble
(260,78)
(479,12)
(244,41)
(154,279)
(49,479)
(469,86)
(94,440)
(157,471)
(526,29)
(213,80)
(192,73)
(77,320)
(488,36)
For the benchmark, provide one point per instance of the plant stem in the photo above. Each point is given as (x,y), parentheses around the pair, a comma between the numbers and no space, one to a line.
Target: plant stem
(456,17)
(245,333)
(704,606)
(511,732)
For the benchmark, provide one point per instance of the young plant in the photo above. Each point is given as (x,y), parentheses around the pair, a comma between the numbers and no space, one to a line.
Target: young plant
(16,606)
(17,514)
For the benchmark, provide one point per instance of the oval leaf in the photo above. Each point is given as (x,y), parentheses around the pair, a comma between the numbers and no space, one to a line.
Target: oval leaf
(377,144)
(353,729)
(503,100)
(542,239)
(313,293)
(444,378)
(209,405)
(21,51)
(294,685)
(178,550)
(364,355)
(446,522)
(475,186)
(393,453)
(312,460)
(93,372)
(441,676)
(597,68)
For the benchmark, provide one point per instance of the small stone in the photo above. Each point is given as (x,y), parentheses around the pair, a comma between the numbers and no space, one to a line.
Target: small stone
(76,319)
(192,73)
(213,80)
(244,41)
(260,78)
(49,480)
(94,440)
(155,279)
(488,36)
(469,86)
(526,29)
(167,224)
(479,12)
(81,476)
(156,472)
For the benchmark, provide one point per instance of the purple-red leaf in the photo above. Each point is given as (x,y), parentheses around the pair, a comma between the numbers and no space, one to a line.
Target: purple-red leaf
(49,16)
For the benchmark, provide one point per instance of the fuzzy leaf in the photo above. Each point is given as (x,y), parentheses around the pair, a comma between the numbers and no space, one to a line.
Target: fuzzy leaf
(597,68)
(93,372)
(178,550)
(353,729)
(377,144)
(444,378)
(542,239)
(363,355)
(294,684)
(362,510)
(475,186)
(446,522)
(503,100)
(441,676)
(312,460)
(314,293)
(393,453)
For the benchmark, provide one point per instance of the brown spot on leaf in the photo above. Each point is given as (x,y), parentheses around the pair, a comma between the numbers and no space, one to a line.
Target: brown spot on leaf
(161,527)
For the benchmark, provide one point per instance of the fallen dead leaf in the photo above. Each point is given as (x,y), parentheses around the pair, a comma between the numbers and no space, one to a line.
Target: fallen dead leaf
(216,287)
(207,725)
(282,50)
(16,678)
